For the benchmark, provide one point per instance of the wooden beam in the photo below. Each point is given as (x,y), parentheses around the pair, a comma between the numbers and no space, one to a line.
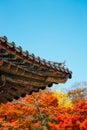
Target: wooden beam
(16,70)
(56,80)
(25,83)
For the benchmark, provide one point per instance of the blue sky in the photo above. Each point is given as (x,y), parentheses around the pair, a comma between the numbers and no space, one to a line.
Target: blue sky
(52,29)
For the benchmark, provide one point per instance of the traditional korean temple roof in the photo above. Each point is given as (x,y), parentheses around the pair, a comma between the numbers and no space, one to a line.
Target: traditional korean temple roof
(22,73)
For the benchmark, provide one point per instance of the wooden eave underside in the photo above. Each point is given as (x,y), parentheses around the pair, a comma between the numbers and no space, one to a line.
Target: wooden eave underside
(26,73)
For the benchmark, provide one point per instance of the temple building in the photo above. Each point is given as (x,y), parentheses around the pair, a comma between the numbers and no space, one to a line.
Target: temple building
(22,73)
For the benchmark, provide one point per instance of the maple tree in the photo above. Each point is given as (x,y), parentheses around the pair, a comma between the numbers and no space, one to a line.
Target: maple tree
(31,112)
(46,110)
(75,117)
(72,119)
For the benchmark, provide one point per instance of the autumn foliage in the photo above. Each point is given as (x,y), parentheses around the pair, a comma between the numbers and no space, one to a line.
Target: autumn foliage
(46,110)
(72,119)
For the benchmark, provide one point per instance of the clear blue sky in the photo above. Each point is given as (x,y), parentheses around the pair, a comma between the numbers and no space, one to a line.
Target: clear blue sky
(52,29)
